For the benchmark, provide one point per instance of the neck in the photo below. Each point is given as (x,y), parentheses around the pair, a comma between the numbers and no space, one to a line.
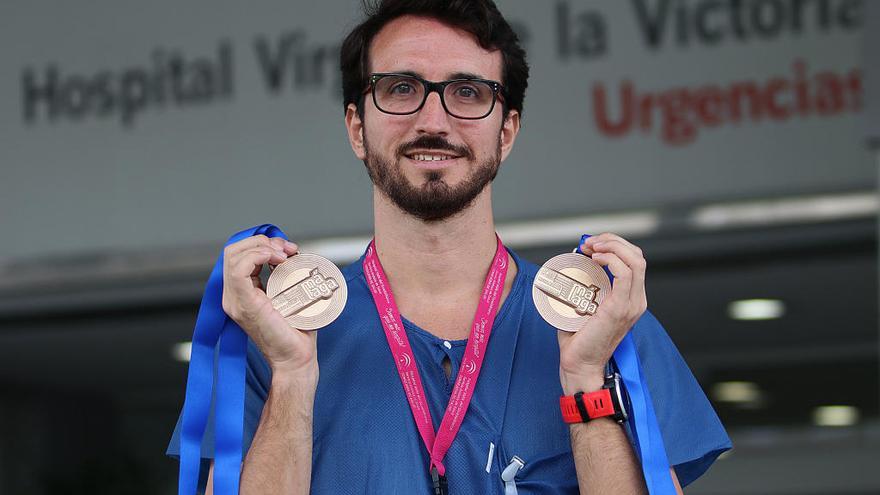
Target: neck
(441,258)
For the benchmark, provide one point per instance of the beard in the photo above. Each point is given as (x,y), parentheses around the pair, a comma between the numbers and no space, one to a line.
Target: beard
(434,200)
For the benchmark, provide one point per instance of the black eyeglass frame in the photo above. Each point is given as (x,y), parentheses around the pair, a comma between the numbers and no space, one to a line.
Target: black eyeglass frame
(438,87)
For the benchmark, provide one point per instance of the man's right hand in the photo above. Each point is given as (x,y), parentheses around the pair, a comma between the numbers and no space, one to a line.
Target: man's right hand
(289,352)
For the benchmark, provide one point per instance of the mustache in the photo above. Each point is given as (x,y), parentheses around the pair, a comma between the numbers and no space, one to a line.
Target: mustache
(434,143)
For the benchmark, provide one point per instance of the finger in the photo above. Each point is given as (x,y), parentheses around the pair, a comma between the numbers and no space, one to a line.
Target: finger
(631,254)
(238,278)
(623,251)
(283,245)
(291,248)
(250,263)
(245,244)
(622,288)
(633,258)
(278,243)
(255,287)
(277,255)
(252,266)
(287,248)
(605,237)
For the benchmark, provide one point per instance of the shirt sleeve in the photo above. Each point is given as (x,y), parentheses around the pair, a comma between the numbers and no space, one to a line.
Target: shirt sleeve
(257,380)
(692,433)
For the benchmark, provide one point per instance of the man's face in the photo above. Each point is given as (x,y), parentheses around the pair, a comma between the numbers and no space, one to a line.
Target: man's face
(394,148)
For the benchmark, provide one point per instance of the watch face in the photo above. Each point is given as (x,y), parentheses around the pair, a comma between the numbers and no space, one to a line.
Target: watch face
(308,290)
(569,289)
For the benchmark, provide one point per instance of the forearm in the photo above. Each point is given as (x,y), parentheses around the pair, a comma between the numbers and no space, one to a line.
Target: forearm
(603,457)
(280,457)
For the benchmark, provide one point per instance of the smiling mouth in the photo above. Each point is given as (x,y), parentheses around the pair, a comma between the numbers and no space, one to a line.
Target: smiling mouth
(430,157)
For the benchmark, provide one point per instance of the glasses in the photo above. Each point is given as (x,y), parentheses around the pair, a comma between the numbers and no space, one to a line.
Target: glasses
(404,94)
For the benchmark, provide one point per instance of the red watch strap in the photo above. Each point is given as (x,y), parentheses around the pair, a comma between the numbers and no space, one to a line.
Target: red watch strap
(597,405)
(570,413)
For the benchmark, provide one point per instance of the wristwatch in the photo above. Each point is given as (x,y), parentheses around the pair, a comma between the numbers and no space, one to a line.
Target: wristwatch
(582,407)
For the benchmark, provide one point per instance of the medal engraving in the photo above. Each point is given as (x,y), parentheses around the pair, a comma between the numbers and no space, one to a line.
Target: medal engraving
(305,293)
(569,290)
(308,290)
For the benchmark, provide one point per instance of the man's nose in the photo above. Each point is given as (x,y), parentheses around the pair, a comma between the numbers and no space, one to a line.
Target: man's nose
(432,118)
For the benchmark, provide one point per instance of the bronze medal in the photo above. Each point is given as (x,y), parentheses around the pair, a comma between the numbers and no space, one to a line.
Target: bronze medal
(308,290)
(569,289)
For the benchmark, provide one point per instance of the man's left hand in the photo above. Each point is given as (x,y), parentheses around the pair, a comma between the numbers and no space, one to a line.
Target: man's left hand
(583,354)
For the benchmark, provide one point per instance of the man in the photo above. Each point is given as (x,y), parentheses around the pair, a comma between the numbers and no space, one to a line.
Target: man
(432,148)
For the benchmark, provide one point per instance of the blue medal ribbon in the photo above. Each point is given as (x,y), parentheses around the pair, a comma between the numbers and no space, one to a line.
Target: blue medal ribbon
(643,420)
(213,326)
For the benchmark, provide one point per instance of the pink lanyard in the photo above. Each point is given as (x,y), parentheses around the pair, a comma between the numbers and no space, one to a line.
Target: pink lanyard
(406,365)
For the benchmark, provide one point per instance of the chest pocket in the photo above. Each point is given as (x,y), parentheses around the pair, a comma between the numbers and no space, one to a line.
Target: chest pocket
(525,472)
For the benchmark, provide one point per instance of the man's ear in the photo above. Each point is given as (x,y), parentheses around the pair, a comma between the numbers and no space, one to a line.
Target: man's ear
(355,127)
(509,130)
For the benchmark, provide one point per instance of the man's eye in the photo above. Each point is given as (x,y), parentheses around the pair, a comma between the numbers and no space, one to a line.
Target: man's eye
(402,89)
(467,92)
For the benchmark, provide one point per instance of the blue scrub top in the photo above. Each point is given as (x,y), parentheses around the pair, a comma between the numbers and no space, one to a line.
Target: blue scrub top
(365,440)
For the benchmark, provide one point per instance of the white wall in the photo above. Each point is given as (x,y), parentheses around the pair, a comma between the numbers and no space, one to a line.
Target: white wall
(240,153)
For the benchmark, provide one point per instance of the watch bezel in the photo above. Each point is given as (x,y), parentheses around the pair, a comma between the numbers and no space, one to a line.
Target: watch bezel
(613,381)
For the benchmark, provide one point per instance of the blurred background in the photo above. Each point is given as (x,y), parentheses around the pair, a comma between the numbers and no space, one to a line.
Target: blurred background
(731,140)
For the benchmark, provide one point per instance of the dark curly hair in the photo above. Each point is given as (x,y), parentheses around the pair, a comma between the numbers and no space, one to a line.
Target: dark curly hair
(478,17)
